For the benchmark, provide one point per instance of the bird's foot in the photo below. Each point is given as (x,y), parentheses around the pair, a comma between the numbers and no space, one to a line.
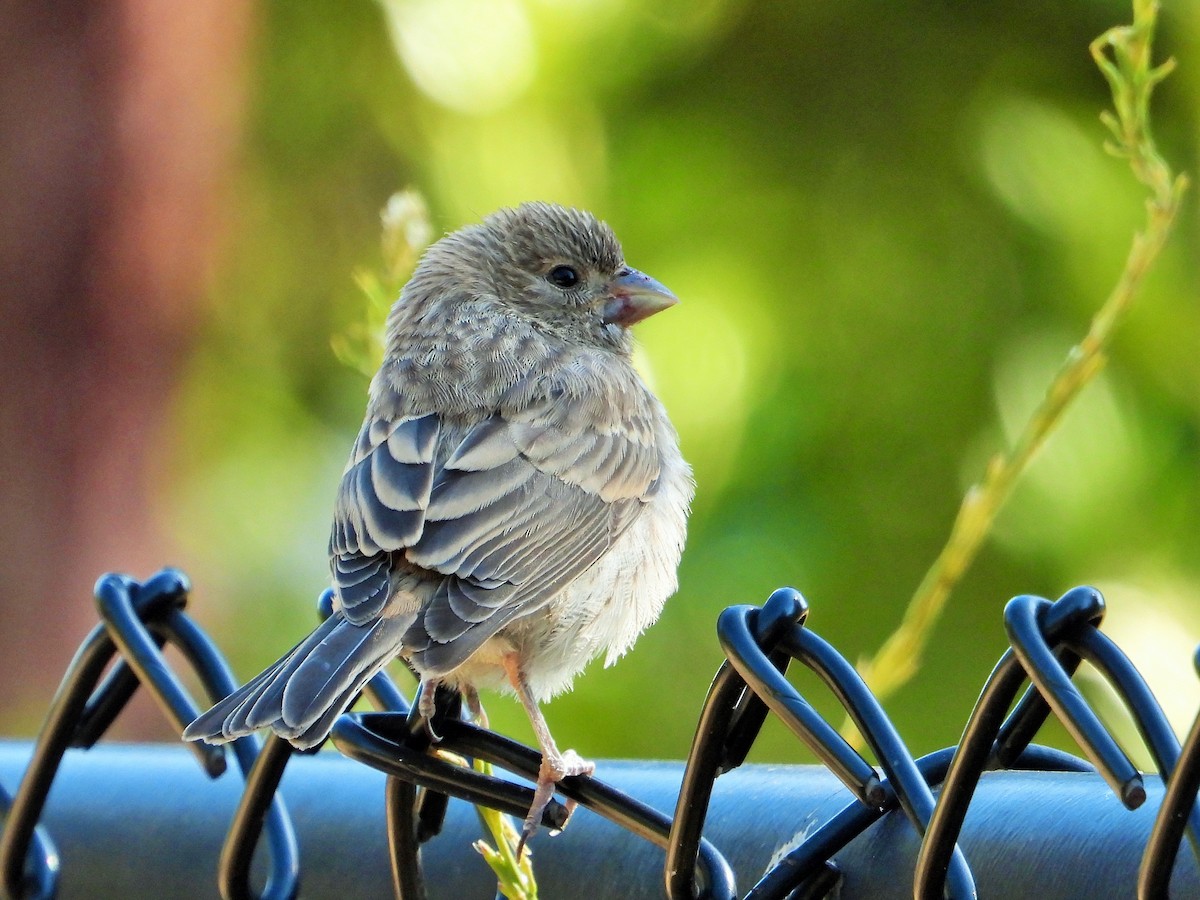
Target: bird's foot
(555,767)
(475,710)
(426,707)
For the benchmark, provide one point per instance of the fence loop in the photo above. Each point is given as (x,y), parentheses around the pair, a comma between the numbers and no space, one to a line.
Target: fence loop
(1177,814)
(783,609)
(137,620)
(1048,643)
(904,786)
(1024,619)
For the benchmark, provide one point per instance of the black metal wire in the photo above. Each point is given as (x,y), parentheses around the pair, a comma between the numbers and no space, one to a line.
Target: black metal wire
(381,741)
(974,750)
(785,608)
(806,862)
(40,869)
(1024,619)
(408,878)
(735,632)
(1048,643)
(138,620)
(704,764)
(1035,627)
(730,720)
(906,785)
(65,711)
(263,769)
(1099,650)
(1175,814)
(1027,718)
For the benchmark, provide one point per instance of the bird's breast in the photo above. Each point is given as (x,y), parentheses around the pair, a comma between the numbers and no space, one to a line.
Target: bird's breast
(614,601)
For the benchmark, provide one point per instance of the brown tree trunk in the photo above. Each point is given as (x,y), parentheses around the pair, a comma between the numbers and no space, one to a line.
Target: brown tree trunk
(118,122)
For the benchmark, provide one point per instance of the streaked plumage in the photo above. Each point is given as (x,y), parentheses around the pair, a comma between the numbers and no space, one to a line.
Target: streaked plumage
(515,503)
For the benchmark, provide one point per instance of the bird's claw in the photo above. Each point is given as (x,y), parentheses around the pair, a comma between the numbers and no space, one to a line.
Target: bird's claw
(554,769)
(475,710)
(427,707)
(427,724)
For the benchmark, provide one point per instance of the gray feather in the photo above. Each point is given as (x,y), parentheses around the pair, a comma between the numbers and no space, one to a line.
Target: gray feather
(458,494)
(486,446)
(363,585)
(333,666)
(228,718)
(446,544)
(385,487)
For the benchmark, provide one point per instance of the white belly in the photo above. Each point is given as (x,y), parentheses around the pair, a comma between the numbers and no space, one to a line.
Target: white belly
(606,608)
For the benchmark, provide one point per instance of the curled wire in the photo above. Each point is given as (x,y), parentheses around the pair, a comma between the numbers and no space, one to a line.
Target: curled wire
(1025,621)
(138,620)
(38,878)
(1048,641)
(806,865)
(758,644)
(974,751)
(382,741)
(1177,814)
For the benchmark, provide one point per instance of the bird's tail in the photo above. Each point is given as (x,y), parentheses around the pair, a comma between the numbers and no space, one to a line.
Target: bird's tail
(302,694)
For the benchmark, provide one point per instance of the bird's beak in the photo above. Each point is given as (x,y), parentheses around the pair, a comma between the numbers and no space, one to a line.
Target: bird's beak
(633,296)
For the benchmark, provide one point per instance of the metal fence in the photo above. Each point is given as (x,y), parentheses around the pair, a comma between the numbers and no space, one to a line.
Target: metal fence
(136,821)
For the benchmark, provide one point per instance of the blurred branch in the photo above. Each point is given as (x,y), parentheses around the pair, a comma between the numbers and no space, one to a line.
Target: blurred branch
(1123,55)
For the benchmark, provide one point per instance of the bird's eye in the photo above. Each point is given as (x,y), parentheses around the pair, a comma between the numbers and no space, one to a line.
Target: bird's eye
(563,277)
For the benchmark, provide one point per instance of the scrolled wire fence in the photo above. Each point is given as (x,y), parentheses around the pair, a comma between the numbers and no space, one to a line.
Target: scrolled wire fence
(896,828)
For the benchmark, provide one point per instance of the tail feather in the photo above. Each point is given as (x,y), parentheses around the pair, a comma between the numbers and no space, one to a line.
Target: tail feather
(262,707)
(323,675)
(227,720)
(302,694)
(305,736)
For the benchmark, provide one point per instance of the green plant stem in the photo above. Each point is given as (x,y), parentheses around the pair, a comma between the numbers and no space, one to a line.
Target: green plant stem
(1132,79)
(514,877)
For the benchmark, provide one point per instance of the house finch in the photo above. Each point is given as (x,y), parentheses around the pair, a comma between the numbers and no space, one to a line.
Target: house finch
(515,502)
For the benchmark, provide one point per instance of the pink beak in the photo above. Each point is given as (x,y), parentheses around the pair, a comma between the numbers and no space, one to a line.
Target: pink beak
(633,296)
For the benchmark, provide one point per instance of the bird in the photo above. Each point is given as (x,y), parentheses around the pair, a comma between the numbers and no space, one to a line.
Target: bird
(516,501)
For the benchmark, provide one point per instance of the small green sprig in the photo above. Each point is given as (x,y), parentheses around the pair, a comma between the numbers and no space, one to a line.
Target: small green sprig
(1123,55)
(406,232)
(515,879)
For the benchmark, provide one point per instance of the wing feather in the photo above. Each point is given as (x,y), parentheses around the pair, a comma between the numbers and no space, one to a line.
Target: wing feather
(517,507)
(380,509)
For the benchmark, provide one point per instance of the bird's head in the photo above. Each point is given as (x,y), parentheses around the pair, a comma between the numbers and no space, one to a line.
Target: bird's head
(562,269)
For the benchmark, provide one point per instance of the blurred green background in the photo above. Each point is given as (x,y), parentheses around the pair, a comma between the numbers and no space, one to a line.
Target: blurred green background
(887,224)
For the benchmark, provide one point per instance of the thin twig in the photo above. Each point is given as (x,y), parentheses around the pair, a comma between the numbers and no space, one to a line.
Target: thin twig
(1123,55)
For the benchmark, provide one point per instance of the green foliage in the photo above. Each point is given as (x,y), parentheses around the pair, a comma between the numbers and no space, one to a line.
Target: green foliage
(1132,79)
(884,221)
(405,234)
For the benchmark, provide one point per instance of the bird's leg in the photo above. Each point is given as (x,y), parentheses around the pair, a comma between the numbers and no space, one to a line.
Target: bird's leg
(555,765)
(427,706)
(474,706)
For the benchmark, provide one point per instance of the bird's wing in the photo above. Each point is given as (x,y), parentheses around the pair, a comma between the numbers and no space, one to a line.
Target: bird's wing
(380,508)
(526,502)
